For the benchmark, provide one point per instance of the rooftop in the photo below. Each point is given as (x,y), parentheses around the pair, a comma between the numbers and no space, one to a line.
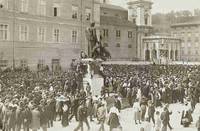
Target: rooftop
(139,1)
(111,20)
(161,37)
(194,23)
(114,7)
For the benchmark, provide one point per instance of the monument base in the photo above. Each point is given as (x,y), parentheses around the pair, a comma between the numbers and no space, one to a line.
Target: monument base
(96,82)
(92,76)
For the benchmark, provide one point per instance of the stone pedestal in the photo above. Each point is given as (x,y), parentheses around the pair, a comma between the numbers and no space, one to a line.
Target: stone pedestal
(92,77)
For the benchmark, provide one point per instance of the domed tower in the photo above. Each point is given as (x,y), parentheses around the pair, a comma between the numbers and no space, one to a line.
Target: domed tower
(139,12)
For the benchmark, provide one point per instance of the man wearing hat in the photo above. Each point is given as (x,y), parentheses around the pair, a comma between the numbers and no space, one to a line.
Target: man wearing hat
(82,117)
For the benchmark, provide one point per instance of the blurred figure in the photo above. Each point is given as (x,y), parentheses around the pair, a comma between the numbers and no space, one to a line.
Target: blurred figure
(198,124)
(158,122)
(136,112)
(114,119)
(101,116)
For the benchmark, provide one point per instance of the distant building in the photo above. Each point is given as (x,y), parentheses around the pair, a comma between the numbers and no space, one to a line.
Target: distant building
(118,34)
(44,32)
(161,49)
(139,12)
(189,33)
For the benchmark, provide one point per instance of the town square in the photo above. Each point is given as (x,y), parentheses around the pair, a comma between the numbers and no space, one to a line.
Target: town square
(99,65)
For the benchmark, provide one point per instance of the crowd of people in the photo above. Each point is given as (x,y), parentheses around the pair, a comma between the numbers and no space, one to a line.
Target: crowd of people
(36,99)
(150,86)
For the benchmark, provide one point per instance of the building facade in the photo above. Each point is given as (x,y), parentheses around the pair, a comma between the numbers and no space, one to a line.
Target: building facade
(44,32)
(161,49)
(52,32)
(139,12)
(118,34)
(189,33)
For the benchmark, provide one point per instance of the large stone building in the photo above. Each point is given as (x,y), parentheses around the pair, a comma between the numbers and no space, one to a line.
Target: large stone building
(52,32)
(44,32)
(190,35)
(118,34)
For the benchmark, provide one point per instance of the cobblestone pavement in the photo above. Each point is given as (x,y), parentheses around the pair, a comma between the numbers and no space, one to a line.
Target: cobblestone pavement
(128,123)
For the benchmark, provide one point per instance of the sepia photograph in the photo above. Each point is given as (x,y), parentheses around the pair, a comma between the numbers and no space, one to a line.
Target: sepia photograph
(99,65)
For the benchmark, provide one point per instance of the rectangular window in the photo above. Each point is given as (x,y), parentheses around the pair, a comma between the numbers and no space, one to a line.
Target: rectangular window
(74,36)
(23,33)
(118,33)
(130,34)
(3,32)
(74,12)
(56,35)
(118,45)
(41,34)
(3,63)
(146,21)
(23,63)
(42,7)
(88,14)
(24,5)
(55,11)
(105,32)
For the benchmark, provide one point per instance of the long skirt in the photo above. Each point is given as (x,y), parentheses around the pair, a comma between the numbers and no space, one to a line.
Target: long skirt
(65,121)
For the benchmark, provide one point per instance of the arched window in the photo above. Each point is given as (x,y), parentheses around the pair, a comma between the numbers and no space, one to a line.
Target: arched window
(147,55)
(172,55)
(154,54)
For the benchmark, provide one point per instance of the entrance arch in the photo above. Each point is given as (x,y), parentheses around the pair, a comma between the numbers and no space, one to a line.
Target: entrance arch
(147,55)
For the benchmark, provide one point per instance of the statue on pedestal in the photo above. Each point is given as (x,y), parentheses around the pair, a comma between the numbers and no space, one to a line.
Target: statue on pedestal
(95,48)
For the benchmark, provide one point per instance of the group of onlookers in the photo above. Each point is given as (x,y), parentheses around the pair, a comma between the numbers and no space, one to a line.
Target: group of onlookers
(36,99)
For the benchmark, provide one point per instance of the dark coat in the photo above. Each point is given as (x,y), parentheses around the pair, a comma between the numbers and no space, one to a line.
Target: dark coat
(118,104)
(19,116)
(44,116)
(151,111)
(82,113)
(113,120)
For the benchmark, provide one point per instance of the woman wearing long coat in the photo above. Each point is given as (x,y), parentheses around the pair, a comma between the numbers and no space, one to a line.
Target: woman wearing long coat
(113,121)
(65,119)
(136,112)
(35,122)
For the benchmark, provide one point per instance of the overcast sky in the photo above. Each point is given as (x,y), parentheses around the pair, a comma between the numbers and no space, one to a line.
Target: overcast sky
(165,6)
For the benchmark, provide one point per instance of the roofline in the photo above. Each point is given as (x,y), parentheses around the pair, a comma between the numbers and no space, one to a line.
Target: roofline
(122,9)
(185,24)
(160,37)
(140,1)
